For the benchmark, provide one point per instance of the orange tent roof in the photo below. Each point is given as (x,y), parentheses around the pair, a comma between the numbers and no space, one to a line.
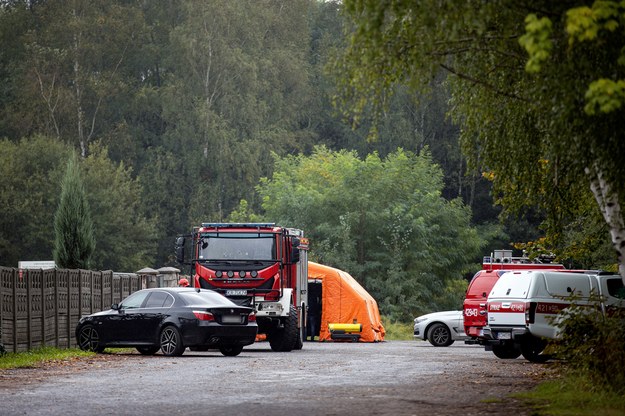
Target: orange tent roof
(345,301)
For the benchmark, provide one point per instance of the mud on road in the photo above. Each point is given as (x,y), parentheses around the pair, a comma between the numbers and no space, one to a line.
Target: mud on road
(389,378)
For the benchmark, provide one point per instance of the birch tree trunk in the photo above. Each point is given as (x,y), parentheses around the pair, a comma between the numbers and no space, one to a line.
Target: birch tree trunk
(608,201)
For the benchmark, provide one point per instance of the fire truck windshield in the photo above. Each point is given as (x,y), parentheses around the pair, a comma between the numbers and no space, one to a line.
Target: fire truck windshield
(236,246)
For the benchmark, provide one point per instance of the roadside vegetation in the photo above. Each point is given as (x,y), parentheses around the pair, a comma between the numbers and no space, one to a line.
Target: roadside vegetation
(397,331)
(38,356)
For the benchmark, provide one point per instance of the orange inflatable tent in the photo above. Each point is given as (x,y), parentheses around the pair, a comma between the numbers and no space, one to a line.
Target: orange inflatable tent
(345,301)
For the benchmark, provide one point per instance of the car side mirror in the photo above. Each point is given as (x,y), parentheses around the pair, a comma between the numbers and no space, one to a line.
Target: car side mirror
(115,306)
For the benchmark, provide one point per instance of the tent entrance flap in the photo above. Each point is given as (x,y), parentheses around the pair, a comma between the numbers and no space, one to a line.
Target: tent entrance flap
(315,296)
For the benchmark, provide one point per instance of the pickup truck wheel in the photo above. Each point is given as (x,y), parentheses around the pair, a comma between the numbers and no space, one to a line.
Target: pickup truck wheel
(439,335)
(506,352)
(532,348)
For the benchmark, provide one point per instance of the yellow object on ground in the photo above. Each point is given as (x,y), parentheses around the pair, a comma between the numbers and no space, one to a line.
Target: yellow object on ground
(345,301)
(345,327)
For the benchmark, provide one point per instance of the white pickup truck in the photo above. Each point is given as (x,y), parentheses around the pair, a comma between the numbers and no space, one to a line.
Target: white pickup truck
(522,307)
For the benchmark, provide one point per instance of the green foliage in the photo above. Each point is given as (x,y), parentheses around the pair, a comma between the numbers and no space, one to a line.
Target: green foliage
(396,330)
(592,345)
(529,131)
(382,220)
(32,170)
(572,395)
(39,356)
(536,41)
(74,241)
(126,237)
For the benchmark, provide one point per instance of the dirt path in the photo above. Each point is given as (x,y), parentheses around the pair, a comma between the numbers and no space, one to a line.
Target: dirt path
(390,378)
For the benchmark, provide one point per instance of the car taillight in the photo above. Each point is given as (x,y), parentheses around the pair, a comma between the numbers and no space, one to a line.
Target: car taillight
(251,317)
(530,312)
(204,316)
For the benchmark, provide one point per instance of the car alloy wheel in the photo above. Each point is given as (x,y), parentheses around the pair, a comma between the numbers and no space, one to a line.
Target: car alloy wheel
(89,339)
(439,335)
(171,341)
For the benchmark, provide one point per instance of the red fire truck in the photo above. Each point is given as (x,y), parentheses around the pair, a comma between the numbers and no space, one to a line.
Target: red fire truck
(260,265)
(474,308)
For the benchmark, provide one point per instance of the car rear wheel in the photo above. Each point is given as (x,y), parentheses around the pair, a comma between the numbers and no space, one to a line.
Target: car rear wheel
(532,348)
(231,350)
(506,351)
(171,341)
(89,339)
(439,335)
(147,350)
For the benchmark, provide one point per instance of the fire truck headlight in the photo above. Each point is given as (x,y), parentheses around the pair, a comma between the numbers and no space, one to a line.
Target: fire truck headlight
(241,274)
(254,273)
(218,274)
(230,273)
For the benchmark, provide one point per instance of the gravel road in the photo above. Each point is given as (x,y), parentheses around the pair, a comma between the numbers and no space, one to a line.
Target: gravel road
(389,378)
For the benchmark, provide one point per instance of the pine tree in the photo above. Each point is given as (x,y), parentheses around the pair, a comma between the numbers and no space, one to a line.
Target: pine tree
(74,241)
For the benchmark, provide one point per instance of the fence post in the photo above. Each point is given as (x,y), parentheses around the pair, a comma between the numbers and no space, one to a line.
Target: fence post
(43,308)
(29,307)
(69,306)
(14,310)
(56,308)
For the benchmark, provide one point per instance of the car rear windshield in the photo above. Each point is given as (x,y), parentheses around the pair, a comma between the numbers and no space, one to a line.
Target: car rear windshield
(205,299)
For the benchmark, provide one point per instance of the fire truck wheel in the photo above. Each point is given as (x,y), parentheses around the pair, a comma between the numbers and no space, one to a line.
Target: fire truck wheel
(148,350)
(299,342)
(230,350)
(506,352)
(283,339)
(171,341)
(532,348)
(439,335)
(89,339)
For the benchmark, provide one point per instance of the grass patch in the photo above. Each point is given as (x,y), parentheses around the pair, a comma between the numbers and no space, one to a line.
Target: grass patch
(573,395)
(37,356)
(398,331)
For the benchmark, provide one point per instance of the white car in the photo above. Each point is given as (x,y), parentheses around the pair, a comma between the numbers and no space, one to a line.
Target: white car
(440,328)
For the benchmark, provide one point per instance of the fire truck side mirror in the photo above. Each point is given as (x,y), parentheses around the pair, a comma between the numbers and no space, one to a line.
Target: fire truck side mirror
(180,249)
(295,250)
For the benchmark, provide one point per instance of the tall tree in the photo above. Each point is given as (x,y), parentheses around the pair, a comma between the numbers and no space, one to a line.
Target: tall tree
(74,241)
(383,220)
(543,128)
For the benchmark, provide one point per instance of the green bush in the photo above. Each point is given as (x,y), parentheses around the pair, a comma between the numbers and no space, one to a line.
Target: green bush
(592,345)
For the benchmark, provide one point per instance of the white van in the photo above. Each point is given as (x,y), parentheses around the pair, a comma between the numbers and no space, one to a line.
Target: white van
(522,307)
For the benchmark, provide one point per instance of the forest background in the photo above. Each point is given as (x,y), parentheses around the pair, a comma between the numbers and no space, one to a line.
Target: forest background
(185,112)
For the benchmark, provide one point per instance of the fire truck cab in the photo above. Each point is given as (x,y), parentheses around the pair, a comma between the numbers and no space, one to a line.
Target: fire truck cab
(260,265)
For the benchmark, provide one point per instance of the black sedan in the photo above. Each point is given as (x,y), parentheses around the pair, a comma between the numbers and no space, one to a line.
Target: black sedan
(170,319)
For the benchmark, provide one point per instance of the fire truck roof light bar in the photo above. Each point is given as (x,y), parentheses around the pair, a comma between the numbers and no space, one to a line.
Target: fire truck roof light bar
(238,225)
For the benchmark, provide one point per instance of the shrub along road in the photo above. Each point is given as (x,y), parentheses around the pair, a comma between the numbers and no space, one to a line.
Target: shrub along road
(394,378)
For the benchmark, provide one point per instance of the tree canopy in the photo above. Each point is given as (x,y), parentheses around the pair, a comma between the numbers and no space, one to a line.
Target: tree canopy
(382,219)
(534,84)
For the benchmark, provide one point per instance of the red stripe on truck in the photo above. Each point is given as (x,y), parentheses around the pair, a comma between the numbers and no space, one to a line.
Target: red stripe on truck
(506,307)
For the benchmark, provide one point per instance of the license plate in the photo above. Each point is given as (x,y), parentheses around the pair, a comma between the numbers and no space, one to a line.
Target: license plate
(504,335)
(231,319)
(236,292)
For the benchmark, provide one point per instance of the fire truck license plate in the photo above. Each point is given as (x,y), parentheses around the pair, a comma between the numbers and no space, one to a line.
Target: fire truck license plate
(236,292)
(504,335)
